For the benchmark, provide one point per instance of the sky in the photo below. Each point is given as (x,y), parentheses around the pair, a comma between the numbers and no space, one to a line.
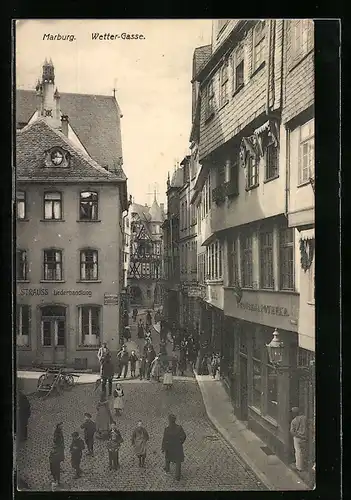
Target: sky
(152,79)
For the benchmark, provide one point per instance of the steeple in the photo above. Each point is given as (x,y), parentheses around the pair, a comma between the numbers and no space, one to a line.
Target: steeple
(48,97)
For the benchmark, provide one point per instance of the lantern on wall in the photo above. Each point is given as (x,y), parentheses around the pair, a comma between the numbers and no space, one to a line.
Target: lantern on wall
(275,349)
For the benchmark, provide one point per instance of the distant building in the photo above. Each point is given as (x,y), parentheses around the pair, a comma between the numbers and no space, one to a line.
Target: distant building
(145,275)
(70,196)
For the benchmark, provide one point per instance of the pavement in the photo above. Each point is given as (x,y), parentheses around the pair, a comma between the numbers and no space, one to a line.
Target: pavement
(272,472)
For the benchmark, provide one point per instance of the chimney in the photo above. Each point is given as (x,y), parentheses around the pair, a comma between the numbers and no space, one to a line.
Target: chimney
(64,125)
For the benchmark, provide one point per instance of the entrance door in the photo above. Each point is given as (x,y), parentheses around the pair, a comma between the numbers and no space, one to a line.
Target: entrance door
(243,388)
(53,334)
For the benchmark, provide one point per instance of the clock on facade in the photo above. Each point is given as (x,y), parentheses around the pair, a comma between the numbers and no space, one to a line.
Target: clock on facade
(56,157)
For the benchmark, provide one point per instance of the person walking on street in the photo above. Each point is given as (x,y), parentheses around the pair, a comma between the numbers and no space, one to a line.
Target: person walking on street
(148,318)
(168,378)
(103,418)
(215,364)
(54,462)
(118,403)
(298,432)
(125,318)
(156,369)
(135,314)
(140,437)
(123,358)
(89,431)
(113,445)
(133,358)
(182,359)
(23,415)
(150,356)
(140,329)
(102,353)
(142,367)
(59,442)
(76,449)
(107,373)
(172,445)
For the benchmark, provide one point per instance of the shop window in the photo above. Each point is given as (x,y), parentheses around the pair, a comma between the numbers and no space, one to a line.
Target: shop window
(89,265)
(21,265)
(21,211)
(272,393)
(53,206)
(89,325)
(286,254)
(88,206)
(257,384)
(266,260)
(22,325)
(52,265)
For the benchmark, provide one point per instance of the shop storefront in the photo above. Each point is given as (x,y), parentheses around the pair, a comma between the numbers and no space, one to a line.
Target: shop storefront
(65,326)
(262,396)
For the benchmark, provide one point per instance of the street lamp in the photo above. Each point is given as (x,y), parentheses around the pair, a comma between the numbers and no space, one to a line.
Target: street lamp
(275,350)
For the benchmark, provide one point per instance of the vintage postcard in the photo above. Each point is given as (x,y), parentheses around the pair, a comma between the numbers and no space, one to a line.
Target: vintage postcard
(165,255)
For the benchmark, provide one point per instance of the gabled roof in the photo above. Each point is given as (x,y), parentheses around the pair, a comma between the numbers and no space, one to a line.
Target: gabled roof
(36,138)
(155,212)
(141,210)
(94,118)
(200,58)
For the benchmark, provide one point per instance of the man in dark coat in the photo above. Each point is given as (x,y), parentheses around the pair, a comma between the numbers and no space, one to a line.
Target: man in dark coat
(123,357)
(148,318)
(107,373)
(23,416)
(150,356)
(172,445)
(76,449)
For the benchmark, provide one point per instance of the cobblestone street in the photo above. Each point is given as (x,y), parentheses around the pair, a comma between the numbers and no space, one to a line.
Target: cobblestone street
(210,463)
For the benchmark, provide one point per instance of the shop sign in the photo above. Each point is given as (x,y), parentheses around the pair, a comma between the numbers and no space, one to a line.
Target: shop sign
(110,299)
(196,291)
(42,292)
(267,308)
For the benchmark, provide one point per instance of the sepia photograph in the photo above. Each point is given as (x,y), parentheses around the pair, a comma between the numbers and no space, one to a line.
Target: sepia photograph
(164,194)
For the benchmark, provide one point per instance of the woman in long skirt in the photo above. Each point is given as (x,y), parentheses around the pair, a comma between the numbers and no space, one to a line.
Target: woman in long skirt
(140,438)
(103,418)
(118,403)
(156,369)
(58,442)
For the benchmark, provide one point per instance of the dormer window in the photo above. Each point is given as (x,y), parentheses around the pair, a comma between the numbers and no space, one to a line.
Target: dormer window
(56,157)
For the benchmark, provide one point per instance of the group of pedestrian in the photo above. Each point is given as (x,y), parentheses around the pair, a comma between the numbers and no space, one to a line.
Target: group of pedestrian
(172,446)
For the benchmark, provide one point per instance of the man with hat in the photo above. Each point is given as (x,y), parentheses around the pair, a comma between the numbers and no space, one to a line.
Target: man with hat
(298,432)
(172,445)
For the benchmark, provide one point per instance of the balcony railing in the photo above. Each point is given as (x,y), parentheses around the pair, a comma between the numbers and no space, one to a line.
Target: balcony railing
(231,188)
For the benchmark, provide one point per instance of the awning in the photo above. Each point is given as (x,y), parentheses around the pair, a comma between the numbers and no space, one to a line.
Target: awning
(308,234)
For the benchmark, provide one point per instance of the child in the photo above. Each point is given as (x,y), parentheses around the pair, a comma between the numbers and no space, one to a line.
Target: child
(76,449)
(133,359)
(113,445)
(118,399)
(168,378)
(55,461)
(89,431)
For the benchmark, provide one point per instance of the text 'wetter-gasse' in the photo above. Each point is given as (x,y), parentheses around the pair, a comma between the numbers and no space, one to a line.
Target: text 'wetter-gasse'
(117,36)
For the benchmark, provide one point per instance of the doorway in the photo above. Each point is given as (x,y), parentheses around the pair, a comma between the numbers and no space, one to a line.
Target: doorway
(243,388)
(53,334)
